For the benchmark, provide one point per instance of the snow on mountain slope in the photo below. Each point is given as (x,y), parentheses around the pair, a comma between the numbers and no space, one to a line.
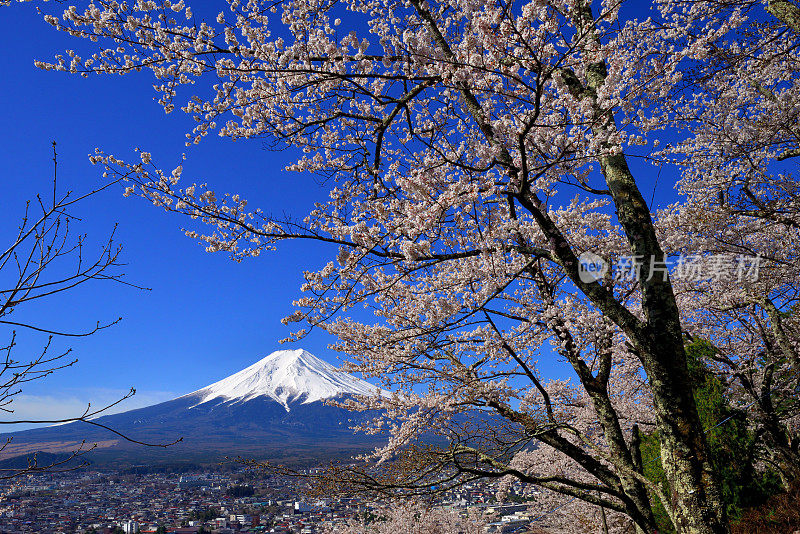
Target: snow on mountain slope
(286,376)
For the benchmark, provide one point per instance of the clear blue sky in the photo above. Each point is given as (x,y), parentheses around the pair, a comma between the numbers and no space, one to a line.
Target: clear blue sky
(206,316)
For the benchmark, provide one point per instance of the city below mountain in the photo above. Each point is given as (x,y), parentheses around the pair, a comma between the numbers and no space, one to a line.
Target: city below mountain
(273,410)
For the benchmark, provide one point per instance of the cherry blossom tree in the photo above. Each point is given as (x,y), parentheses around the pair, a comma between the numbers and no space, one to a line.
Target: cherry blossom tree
(752,326)
(415,518)
(739,108)
(742,112)
(477,152)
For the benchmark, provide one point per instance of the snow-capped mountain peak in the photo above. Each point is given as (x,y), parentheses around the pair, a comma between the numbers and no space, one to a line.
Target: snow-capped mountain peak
(286,376)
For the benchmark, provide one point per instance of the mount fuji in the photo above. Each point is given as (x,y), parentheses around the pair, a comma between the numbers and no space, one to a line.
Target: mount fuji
(273,409)
(287,377)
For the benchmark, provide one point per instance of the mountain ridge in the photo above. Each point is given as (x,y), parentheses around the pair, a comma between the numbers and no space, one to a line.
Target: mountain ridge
(285,376)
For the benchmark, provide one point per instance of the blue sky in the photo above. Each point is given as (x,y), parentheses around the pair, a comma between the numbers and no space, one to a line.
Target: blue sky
(205,316)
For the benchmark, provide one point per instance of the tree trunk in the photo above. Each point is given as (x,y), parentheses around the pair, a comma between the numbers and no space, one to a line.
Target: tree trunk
(636,457)
(696,499)
(784,454)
